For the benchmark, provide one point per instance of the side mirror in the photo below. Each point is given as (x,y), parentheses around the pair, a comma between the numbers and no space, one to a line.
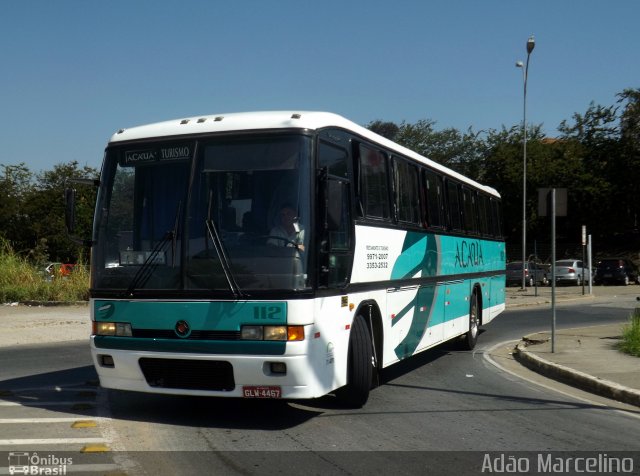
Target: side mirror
(70,209)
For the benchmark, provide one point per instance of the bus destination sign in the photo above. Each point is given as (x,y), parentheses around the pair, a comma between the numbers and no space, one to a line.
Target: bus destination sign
(175,152)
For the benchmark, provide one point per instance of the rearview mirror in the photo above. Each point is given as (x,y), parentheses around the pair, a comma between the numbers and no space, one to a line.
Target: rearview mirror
(70,209)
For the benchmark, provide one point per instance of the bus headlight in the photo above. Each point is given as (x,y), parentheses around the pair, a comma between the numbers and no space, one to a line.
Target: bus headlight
(251,333)
(118,329)
(277,333)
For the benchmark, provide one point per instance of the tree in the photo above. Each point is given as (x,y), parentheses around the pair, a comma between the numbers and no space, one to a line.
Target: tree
(609,165)
(630,117)
(630,154)
(385,129)
(16,182)
(44,205)
(598,125)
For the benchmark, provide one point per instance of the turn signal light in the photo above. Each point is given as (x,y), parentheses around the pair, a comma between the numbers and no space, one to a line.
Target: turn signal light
(295,333)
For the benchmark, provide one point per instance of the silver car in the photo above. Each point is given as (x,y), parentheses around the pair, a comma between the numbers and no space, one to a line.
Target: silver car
(571,271)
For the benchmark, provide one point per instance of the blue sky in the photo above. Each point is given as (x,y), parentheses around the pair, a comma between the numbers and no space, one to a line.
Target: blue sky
(75,71)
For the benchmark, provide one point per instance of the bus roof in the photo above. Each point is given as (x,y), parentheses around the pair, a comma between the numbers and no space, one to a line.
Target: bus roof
(269,120)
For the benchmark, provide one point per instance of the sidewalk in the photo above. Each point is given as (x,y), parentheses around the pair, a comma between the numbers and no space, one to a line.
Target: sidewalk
(585,357)
(516,297)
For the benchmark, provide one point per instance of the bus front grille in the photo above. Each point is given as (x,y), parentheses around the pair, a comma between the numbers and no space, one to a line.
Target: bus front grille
(188,374)
(194,335)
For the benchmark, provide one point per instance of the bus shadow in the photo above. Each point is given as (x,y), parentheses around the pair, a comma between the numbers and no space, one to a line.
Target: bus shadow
(76,392)
(207,412)
(391,373)
(72,391)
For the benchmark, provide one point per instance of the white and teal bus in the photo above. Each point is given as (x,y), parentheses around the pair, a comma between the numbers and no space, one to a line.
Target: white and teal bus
(281,255)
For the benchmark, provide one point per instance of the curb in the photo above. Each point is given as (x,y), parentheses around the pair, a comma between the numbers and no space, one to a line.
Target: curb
(48,303)
(520,301)
(573,377)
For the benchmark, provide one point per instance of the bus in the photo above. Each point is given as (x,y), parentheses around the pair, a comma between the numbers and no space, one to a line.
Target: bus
(281,255)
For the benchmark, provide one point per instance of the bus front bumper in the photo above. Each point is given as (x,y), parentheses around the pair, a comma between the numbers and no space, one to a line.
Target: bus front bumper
(243,376)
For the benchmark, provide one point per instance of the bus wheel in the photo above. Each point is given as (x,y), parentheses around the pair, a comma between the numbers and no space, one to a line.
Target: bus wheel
(359,366)
(471,337)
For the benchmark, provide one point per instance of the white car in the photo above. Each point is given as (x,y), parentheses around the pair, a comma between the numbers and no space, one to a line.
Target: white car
(571,271)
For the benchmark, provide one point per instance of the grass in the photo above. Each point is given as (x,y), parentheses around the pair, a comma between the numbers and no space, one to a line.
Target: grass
(631,335)
(21,281)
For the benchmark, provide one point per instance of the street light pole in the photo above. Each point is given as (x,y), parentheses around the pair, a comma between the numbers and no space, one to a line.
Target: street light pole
(525,73)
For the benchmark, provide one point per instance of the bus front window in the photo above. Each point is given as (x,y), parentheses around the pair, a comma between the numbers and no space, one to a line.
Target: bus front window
(139,219)
(205,217)
(243,188)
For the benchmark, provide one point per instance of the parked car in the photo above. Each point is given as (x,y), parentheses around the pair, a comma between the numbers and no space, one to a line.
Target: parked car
(58,270)
(534,272)
(571,271)
(617,271)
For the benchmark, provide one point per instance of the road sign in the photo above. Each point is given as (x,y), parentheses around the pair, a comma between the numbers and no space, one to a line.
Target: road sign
(544,202)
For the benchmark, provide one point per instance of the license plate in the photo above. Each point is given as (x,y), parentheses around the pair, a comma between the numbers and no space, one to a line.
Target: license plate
(608,275)
(261,392)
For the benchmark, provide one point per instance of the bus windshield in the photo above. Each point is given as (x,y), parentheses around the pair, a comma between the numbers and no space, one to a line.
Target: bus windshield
(226,215)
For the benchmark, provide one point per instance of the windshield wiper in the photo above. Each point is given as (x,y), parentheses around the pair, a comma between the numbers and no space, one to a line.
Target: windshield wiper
(148,267)
(224,259)
(150,264)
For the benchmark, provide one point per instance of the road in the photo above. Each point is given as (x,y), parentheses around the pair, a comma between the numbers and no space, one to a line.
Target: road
(442,401)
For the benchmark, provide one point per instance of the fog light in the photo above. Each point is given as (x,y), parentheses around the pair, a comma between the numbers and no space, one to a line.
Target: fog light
(105,360)
(278,368)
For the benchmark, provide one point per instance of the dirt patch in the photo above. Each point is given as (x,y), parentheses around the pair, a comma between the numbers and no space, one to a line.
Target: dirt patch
(22,324)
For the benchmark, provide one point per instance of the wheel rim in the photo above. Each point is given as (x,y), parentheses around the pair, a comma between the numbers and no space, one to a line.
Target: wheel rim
(473,321)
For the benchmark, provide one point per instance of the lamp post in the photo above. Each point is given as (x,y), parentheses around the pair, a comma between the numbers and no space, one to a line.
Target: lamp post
(525,72)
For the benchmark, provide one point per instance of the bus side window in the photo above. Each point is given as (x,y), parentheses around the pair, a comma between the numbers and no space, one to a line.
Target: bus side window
(496,218)
(434,195)
(333,158)
(407,196)
(483,204)
(453,201)
(335,254)
(470,211)
(373,183)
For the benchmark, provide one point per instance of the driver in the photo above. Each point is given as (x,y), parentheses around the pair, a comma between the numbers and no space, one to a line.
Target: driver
(287,229)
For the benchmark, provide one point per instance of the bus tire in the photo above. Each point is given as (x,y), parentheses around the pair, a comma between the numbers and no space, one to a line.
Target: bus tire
(471,337)
(359,366)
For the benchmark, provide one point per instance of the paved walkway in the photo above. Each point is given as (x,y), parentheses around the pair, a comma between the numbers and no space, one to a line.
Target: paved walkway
(585,357)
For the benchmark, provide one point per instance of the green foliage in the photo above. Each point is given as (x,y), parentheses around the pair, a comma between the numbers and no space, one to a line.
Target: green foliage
(32,211)
(631,335)
(21,281)
(385,129)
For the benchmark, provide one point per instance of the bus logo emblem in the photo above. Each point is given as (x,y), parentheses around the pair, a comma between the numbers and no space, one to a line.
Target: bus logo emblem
(182,329)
